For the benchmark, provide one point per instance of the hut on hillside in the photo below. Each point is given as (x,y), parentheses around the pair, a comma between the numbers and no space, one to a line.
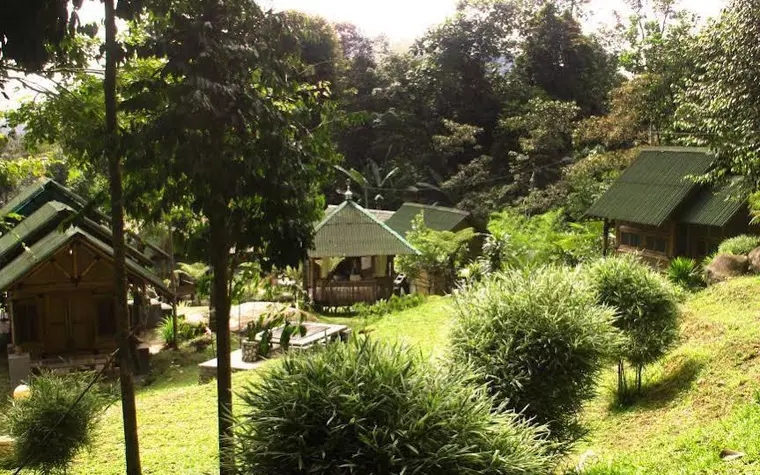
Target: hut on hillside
(56,268)
(659,211)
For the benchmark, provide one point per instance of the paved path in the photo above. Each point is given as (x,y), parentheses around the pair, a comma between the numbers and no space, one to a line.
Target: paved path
(240,315)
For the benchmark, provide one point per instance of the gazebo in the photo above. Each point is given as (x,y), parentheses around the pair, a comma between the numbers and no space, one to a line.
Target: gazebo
(353,257)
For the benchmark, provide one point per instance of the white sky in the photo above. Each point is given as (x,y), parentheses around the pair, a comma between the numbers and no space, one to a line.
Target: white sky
(405,20)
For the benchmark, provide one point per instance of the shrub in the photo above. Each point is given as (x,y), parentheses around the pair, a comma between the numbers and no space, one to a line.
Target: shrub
(685,273)
(48,427)
(739,245)
(185,330)
(518,240)
(647,310)
(367,408)
(441,254)
(393,305)
(537,340)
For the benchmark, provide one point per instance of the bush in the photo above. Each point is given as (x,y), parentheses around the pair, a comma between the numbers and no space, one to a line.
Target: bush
(647,310)
(186,331)
(685,273)
(739,245)
(518,240)
(367,408)
(45,441)
(393,305)
(538,341)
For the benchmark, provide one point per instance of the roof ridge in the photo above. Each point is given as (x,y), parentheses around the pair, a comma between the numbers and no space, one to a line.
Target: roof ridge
(385,227)
(436,207)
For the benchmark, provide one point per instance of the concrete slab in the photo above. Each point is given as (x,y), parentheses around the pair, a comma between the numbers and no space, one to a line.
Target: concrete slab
(208,368)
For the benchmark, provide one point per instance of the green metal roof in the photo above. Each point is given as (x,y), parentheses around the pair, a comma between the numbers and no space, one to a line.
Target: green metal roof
(712,207)
(44,190)
(45,219)
(351,231)
(49,245)
(436,218)
(654,187)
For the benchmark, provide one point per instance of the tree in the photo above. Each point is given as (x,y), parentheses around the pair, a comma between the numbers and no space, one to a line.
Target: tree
(375,180)
(229,134)
(568,65)
(719,107)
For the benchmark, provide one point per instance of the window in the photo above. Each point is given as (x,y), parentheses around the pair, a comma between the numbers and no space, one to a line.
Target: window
(27,321)
(657,244)
(630,239)
(106,319)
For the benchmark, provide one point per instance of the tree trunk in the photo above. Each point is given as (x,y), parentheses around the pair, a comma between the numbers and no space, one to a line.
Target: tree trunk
(121,311)
(220,249)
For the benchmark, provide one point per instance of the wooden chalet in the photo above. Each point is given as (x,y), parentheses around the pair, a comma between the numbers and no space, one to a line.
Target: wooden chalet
(658,210)
(56,268)
(352,258)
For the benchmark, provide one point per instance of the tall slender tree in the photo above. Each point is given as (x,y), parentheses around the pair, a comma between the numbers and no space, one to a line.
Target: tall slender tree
(226,132)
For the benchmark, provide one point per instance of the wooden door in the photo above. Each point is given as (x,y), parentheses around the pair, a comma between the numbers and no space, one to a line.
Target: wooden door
(56,317)
(81,322)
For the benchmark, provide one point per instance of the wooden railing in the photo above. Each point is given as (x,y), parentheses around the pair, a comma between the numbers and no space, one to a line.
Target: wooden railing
(346,293)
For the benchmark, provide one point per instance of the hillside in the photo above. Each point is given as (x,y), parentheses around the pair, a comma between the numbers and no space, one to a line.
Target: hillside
(703,399)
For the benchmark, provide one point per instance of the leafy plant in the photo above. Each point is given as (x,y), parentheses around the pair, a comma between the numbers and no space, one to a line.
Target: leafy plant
(647,311)
(518,240)
(186,331)
(200,273)
(262,330)
(368,408)
(53,425)
(739,245)
(537,340)
(441,254)
(686,273)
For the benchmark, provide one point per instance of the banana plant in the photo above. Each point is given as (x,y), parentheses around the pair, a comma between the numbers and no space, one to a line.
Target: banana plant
(375,179)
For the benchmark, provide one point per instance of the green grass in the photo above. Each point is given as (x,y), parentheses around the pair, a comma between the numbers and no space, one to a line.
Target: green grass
(700,400)
(177,416)
(424,328)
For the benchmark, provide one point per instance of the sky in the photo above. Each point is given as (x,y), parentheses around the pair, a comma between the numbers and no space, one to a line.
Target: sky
(404,20)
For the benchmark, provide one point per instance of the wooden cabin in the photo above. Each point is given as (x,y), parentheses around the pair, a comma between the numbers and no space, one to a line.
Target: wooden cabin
(659,211)
(56,268)
(352,258)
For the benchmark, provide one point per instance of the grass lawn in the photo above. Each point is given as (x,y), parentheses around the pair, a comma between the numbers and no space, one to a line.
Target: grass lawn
(702,399)
(177,416)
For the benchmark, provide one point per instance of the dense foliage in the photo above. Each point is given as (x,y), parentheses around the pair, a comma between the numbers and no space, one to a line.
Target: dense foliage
(518,240)
(392,305)
(647,310)
(739,245)
(186,331)
(538,341)
(366,408)
(53,425)
(686,273)
(441,255)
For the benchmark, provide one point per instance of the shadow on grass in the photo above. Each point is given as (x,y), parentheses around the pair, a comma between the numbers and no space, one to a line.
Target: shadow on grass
(659,389)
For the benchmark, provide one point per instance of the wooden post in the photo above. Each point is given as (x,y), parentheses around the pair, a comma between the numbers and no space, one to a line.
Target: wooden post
(606,238)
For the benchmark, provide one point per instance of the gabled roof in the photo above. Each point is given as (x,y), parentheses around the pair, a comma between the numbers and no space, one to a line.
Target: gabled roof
(712,207)
(351,231)
(44,190)
(49,245)
(44,220)
(436,218)
(34,196)
(381,214)
(654,187)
